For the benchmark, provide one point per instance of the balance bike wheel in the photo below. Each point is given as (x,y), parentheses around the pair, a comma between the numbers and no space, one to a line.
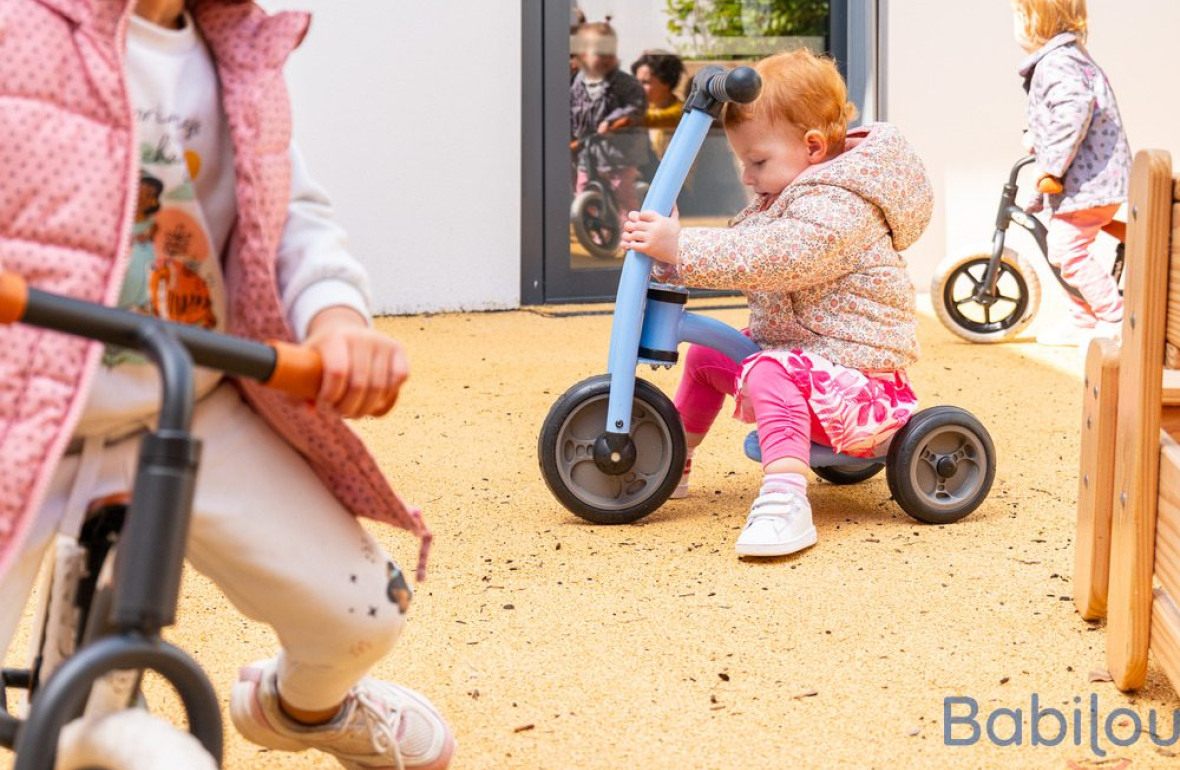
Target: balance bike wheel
(566,453)
(941,465)
(1018,289)
(594,226)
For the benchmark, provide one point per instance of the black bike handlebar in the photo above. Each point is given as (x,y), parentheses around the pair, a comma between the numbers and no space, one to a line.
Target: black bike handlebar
(1020,164)
(291,368)
(741,84)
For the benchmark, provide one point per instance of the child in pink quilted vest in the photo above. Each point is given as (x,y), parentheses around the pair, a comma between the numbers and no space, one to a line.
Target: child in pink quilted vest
(831,305)
(208,218)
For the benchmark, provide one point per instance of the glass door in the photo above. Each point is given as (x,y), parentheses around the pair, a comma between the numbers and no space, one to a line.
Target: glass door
(605,79)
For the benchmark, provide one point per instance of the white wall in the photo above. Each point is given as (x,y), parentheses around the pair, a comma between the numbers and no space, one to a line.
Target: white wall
(409,115)
(951,85)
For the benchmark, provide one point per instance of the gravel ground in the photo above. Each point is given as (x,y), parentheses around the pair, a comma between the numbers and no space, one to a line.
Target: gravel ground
(551,643)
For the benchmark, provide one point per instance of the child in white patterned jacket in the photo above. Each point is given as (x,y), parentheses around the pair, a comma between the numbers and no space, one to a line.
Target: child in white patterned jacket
(1077,135)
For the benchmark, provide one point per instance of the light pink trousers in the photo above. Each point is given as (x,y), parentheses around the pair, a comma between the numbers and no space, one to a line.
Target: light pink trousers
(1070,237)
(271,536)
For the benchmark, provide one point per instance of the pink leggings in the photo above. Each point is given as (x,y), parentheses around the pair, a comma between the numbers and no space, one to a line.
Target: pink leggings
(1070,237)
(786,425)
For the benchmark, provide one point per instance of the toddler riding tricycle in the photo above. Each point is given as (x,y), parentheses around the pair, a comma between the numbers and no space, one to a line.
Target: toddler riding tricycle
(612,448)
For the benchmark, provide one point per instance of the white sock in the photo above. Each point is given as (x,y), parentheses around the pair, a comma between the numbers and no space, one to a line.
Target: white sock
(783,482)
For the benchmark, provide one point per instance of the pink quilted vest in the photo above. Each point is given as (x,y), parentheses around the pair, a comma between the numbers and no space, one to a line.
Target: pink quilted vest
(67,198)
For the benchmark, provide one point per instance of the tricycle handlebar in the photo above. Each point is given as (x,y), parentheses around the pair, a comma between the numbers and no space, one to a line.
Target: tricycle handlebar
(713,86)
(293,369)
(741,85)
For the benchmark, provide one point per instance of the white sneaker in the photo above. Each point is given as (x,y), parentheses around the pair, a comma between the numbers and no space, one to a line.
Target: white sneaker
(1065,334)
(381,726)
(681,490)
(1107,329)
(779,523)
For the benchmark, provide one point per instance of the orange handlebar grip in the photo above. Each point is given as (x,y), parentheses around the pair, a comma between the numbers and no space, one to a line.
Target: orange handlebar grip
(298,370)
(14,298)
(1050,185)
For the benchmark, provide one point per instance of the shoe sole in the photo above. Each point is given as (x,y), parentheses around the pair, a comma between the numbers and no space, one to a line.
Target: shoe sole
(805,540)
(252,726)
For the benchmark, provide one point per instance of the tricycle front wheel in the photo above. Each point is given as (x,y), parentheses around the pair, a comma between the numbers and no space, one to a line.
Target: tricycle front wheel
(566,453)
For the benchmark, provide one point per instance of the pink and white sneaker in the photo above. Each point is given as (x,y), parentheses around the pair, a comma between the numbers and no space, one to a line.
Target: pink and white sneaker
(381,726)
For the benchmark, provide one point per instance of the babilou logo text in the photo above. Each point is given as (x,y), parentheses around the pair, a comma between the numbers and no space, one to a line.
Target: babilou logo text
(1041,725)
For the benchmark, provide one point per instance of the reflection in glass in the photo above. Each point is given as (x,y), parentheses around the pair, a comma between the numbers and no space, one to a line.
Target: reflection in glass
(631,64)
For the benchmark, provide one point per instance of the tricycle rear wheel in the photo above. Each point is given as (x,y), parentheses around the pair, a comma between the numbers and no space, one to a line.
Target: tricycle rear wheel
(844,475)
(941,465)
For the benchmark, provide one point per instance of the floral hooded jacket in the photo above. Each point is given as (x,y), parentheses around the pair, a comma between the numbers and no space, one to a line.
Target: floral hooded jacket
(820,263)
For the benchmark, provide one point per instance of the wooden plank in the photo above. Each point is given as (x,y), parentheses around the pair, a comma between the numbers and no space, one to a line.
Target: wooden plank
(1096,478)
(1137,447)
(1173,324)
(1170,395)
(1165,635)
(1167,529)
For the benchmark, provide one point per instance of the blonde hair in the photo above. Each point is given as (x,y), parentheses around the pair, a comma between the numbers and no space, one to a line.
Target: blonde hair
(802,90)
(1046,19)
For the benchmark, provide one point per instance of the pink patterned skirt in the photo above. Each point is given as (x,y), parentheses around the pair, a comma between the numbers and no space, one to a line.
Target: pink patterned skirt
(858,411)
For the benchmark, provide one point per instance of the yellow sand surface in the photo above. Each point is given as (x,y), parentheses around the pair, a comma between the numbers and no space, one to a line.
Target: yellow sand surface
(551,643)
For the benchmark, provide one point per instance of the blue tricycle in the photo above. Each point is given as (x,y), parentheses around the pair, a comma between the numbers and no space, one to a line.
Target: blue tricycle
(612,448)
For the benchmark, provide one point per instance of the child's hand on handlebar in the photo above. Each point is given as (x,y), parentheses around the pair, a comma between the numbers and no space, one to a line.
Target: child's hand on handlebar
(1049,184)
(656,236)
(363,369)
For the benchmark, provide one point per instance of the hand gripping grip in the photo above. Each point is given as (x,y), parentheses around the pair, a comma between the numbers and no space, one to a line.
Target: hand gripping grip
(298,371)
(1050,185)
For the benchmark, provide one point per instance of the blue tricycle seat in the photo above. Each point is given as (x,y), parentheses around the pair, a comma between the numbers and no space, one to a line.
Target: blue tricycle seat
(821,456)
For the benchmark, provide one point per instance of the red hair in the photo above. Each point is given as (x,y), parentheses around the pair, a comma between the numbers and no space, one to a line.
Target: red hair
(802,90)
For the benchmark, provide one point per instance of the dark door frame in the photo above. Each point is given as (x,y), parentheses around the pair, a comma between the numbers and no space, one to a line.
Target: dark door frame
(853,41)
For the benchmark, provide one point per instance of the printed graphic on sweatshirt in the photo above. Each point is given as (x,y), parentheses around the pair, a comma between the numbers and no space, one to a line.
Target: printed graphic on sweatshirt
(172,273)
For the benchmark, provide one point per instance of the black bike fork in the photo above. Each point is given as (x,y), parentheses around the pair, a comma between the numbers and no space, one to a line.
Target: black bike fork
(147,578)
(985,292)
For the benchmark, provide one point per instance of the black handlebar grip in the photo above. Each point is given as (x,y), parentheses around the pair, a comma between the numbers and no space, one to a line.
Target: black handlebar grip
(741,85)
